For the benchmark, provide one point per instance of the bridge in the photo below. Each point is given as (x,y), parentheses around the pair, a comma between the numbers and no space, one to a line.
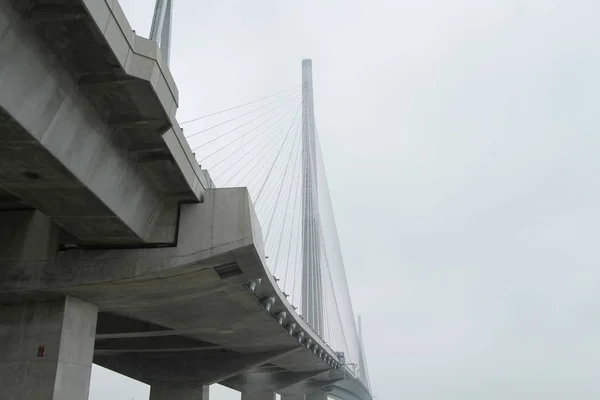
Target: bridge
(118,248)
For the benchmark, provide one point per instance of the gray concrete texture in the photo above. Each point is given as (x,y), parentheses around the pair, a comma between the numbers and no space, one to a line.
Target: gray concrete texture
(28,235)
(171,316)
(91,155)
(316,396)
(46,350)
(178,393)
(89,135)
(262,395)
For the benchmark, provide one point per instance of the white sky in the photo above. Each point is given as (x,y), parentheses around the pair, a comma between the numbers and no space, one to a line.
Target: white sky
(461,141)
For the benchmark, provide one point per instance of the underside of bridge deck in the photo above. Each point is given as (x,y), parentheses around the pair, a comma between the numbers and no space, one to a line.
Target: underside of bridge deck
(88,133)
(114,247)
(187,314)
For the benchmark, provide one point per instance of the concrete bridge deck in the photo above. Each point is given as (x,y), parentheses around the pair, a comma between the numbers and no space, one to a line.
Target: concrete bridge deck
(114,248)
(186,315)
(87,115)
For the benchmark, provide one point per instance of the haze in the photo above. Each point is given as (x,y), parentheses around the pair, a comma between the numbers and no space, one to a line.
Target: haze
(461,144)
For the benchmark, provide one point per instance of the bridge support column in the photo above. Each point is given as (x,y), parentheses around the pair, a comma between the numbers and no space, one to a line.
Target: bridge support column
(318,395)
(178,393)
(46,349)
(258,396)
(27,235)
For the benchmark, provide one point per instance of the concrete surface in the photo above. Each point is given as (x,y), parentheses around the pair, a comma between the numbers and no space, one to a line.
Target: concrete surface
(292,397)
(184,315)
(178,393)
(46,350)
(93,169)
(88,130)
(272,379)
(347,389)
(263,395)
(318,395)
(27,235)
(323,381)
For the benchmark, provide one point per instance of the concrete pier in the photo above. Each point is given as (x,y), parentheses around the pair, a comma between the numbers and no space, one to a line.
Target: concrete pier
(47,349)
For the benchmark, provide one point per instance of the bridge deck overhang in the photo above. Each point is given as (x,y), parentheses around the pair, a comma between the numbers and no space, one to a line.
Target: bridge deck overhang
(88,134)
(187,314)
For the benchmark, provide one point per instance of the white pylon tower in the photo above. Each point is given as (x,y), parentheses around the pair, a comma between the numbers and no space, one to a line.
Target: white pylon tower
(160,32)
(312,284)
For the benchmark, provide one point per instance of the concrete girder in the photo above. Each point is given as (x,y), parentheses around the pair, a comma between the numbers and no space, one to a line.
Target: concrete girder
(179,392)
(187,368)
(130,271)
(274,380)
(66,134)
(150,344)
(262,395)
(27,235)
(46,13)
(320,382)
(178,300)
(318,395)
(102,79)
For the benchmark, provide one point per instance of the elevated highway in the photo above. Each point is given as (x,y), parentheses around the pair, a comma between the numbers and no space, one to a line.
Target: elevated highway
(89,136)
(205,311)
(115,246)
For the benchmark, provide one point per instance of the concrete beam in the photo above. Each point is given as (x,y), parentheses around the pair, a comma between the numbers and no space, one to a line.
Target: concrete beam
(178,393)
(264,395)
(59,151)
(340,392)
(169,350)
(55,13)
(318,385)
(208,237)
(318,395)
(158,156)
(187,367)
(151,345)
(115,326)
(164,293)
(106,78)
(156,333)
(27,235)
(46,349)
(313,385)
(123,121)
(272,380)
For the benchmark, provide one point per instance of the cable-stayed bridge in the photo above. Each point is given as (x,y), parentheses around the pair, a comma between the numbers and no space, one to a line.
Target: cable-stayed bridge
(270,146)
(179,253)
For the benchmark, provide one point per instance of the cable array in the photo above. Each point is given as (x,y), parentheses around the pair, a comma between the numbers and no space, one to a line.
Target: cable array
(260,145)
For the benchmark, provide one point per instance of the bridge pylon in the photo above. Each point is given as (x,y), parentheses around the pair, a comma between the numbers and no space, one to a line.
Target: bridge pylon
(160,31)
(312,282)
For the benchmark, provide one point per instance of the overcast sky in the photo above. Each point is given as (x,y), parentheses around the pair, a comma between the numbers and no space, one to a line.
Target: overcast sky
(461,140)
